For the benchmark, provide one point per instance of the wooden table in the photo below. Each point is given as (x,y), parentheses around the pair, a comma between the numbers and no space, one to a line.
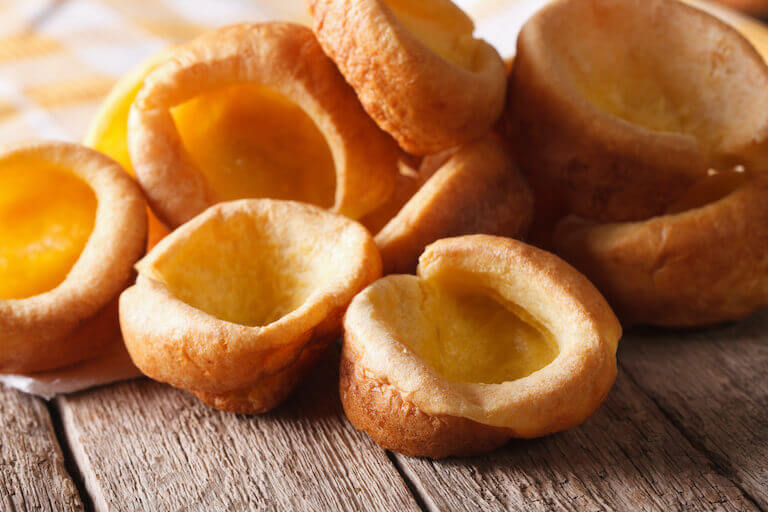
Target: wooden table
(684,428)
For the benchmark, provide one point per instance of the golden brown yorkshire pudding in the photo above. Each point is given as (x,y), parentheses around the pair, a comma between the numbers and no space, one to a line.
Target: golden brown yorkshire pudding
(493,339)
(108,131)
(416,67)
(606,122)
(474,188)
(237,304)
(703,263)
(72,224)
(256,111)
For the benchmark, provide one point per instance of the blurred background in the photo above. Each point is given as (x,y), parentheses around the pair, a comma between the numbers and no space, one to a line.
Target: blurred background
(59,58)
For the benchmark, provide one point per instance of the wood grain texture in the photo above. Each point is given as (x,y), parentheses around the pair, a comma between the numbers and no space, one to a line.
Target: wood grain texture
(32,473)
(626,457)
(146,446)
(712,384)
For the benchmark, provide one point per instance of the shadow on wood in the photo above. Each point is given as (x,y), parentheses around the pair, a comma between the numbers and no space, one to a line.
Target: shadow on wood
(146,446)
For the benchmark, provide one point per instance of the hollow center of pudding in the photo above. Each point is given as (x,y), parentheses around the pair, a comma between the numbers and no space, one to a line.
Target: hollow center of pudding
(250,142)
(464,333)
(713,187)
(249,270)
(664,67)
(440,26)
(47,214)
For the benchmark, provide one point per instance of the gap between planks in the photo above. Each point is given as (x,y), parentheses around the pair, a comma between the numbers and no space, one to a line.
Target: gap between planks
(647,432)
(145,446)
(629,455)
(32,469)
(71,464)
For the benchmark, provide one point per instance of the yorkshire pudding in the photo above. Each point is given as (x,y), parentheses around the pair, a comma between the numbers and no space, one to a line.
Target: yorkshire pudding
(256,111)
(108,131)
(238,303)
(474,188)
(416,67)
(493,339)
(604,121)
(703,263)
(72,224)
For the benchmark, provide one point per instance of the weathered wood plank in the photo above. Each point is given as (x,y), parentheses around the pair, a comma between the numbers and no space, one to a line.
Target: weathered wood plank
(713,385)
(32,473)
(146,446)
(626,457)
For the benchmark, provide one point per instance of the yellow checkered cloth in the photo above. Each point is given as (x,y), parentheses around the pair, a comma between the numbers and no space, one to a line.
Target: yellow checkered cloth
(59,58)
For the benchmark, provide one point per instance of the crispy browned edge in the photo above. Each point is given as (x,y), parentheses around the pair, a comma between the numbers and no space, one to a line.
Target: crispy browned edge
(397,424)
(425,102)
(481,192)
(272,390)
(91,339)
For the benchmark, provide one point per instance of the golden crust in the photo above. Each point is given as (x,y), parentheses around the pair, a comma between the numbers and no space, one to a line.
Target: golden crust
(427,103)
(398,424)
(699,267)
(280,56)
(77,320)
(272,390)
(241,368)
(471,189)
(404,404)
(607,168)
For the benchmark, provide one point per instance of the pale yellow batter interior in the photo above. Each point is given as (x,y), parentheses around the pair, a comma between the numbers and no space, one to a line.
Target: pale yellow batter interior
(247,270)
(662,68)
(441,26)
(464,333)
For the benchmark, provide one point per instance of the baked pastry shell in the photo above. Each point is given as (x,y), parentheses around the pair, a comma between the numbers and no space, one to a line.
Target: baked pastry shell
(702,266)
(605,168)
(474,188)
(282,57)
(233,367)
(425,102)
(77,320)
(405,405)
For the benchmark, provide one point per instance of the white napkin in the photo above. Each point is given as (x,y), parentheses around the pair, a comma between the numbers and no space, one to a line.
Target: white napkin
(113,366)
